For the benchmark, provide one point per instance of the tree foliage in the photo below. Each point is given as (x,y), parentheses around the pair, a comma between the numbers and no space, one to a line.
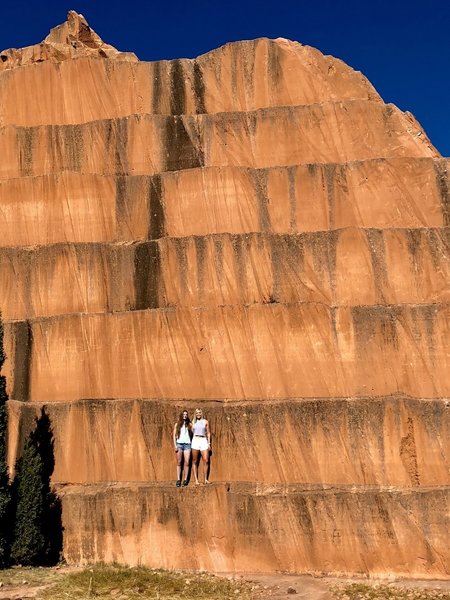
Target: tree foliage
(37,536)
(29,542)
(30,512)
(5,490)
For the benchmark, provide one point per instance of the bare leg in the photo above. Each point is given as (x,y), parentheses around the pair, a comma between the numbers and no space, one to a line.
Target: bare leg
(179,461)
(187,457)
(195,461)
(205,458)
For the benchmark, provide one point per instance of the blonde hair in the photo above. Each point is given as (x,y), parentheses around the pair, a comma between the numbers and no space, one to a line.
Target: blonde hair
(194,420)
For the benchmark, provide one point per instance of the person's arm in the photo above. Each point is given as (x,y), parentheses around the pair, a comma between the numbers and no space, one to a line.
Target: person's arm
(208,433)
(175,437)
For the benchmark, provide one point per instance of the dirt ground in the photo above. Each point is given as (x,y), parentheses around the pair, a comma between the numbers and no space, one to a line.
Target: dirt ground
(318,588)
(271,586)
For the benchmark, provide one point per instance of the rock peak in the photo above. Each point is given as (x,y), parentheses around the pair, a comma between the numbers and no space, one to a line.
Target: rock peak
(75,32)
(72,39)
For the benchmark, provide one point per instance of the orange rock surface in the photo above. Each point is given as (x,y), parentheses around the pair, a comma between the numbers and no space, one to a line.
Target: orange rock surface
(253,231)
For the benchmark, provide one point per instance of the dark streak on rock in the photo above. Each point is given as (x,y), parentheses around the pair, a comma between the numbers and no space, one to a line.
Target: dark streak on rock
(294,252)
(329,173)
(388,327)
(414,242)
(22,263)
(388,111)
(275,70)
(333,238)
(200,253)
(385,517)
(218,258)
(169,510)
(333,310)
(72,136)
(341,178)
(157,225)
(199,89)
(252,121)
(177,89)
(238,243)
(248,66)
(26,141)
(408,453)
(121,203)
(109,67)
(157,87)
(247,515)
(53,145)
(375,242)
(438,243)
(442,179)
(425,314)
(23,345)
(366,321)
(291,171)
(323,246)
(147,275)
(287,258)
(276,264)
(114,259)
(181,252)
(121,148)
(312,168)
(234,70)
(111,521)
(260,182)
(180,151)
(302,512)
(108,125)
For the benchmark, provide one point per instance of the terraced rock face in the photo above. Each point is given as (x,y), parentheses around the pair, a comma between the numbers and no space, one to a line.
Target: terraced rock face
(254,232)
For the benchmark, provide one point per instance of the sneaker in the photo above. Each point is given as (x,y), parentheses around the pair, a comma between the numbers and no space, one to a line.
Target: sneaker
(184,483)
(179,483)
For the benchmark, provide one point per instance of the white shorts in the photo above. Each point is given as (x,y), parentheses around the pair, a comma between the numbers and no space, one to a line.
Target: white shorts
(199,443)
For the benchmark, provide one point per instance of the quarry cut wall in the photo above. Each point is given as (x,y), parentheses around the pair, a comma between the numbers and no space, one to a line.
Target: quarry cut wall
(255,232)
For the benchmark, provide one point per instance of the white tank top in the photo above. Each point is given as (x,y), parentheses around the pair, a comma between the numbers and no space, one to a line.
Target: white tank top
(184,437)
(200,427)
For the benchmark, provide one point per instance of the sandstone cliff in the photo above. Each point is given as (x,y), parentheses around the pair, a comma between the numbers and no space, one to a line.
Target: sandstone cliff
(253,231)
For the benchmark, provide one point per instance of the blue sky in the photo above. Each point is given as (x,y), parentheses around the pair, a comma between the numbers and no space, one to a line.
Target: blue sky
(402,47)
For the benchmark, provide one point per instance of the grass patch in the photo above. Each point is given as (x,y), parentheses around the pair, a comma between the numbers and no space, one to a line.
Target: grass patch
(122,583)
(31,575)
(361,591)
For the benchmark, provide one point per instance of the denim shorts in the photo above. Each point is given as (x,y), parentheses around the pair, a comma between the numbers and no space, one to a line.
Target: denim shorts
(183,447)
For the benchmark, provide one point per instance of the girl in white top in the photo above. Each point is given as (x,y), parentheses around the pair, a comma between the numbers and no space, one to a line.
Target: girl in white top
(201,444)
(182,433)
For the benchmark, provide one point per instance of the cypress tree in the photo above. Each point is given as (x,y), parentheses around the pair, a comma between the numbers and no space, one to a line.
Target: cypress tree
(37,536)
(5,490)
(52,528)
(28,546)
